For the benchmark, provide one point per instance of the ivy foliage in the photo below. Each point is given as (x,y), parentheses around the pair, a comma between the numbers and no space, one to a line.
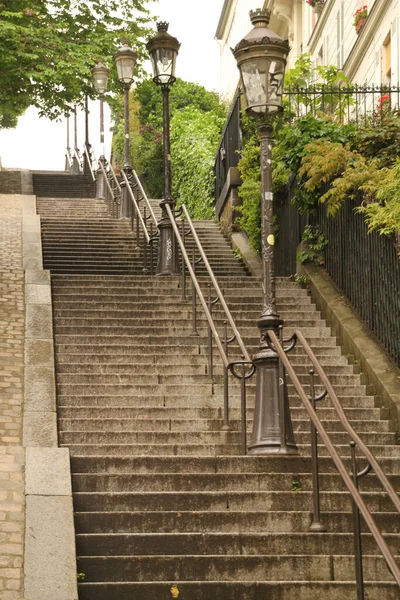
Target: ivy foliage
(49,47)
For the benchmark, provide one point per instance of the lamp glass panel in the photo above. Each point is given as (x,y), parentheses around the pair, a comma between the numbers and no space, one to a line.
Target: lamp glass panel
(275,87)
(254,77)
(101,81)
(163,60)
(125,68)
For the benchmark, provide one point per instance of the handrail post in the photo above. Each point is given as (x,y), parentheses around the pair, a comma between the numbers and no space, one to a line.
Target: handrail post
(151,249)
(183,266)
(144,243)
(282,391)
(357,529)
(243,405)
(137,223)
(210,340)
(316,524)
(194,297)
(226,426)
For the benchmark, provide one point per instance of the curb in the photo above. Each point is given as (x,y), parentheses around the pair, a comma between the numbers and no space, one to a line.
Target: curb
(49,555)
(355,337)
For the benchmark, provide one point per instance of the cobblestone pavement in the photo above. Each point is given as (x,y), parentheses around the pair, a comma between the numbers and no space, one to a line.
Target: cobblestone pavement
(11,394)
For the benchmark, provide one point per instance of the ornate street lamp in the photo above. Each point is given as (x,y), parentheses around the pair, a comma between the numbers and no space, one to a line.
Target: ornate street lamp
(125,59)
(163,50)
(261,58)
(100,81)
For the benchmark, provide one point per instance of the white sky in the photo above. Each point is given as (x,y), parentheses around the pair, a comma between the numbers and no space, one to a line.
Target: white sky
(40,143)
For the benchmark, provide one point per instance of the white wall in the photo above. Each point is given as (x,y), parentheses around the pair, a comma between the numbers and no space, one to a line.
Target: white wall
(362,56)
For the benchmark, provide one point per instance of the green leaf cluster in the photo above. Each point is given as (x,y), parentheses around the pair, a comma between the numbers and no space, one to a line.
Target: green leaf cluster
(49,47)
(382,212)
(316,242)
(331,161)
(196,121)
(194,137)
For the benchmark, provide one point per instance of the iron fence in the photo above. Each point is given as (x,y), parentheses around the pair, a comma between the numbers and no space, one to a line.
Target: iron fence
(229,148)
(291,227)
(366,267)
(348,103)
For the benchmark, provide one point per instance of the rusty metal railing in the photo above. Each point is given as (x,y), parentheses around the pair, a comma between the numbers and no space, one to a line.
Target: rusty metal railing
(139,224)
(207,304)
(350,479)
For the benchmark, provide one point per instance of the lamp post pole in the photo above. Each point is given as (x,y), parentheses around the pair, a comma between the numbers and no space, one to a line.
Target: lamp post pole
(261,58)
(68,154)
(163,50)
(125,59)
(86,156)
(100,81)
(75,164)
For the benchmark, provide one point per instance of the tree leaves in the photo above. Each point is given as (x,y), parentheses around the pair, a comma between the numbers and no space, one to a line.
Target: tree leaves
(49,48)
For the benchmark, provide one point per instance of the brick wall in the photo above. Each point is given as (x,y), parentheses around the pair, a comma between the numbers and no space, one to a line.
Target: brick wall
(11,390)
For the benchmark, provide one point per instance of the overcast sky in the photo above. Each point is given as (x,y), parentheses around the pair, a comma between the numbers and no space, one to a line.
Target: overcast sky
(40,143)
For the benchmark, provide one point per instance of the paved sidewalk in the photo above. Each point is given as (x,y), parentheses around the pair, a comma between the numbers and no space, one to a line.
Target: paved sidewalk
(11,395)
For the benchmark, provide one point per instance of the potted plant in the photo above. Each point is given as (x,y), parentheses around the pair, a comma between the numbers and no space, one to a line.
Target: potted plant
(360,16)
(317,5)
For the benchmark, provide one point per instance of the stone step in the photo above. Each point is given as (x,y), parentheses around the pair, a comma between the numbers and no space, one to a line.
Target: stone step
(65,359)
(154,412)
(225,521)
(233,590)
(222,464)
(99,503)
(243,568)
(179,401)
(115,482)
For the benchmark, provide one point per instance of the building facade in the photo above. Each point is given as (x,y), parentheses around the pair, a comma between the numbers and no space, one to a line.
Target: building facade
(368,56)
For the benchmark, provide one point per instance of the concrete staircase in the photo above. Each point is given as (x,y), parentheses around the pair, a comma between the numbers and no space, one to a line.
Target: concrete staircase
(164,503)
(60,184)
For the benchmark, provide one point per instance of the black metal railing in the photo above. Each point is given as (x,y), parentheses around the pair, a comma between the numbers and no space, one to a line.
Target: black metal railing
(350,479)
(366,267)
(348,103)
(229,148)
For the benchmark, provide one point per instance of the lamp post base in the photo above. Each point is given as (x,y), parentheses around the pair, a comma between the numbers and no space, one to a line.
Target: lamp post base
(100,183)
(168,259)
(272,426)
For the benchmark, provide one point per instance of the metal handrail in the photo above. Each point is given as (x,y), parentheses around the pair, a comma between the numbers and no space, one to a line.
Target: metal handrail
(144,197)
(117,183)
(76,154)
(215,285)
(89,162)
(355,494)
(200,294)
(343,418)
(68,156)
(136,207)
(106,180)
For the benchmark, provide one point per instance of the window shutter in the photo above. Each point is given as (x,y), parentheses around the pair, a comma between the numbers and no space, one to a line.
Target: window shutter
(394,40)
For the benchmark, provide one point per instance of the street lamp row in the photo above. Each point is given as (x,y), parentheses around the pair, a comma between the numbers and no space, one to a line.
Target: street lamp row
(261,58)
(163,50)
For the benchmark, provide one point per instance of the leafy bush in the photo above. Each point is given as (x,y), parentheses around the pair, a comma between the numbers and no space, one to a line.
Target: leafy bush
(316,244)
(194,137)
(196,121)
(383,214)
